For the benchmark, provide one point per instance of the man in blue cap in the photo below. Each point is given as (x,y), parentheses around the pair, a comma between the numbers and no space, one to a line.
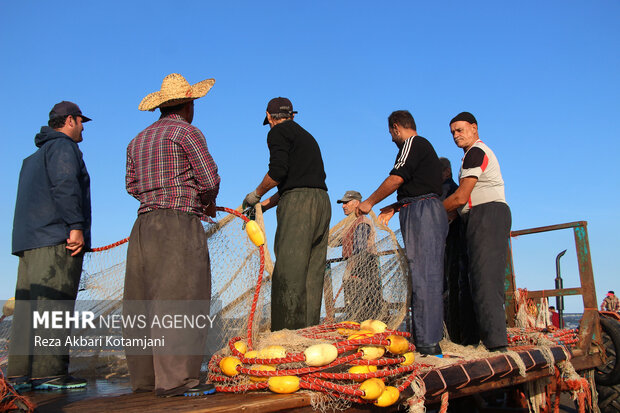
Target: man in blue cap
(51,232)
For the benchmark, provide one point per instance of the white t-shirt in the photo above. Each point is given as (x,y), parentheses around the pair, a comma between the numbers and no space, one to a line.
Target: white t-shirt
(480,162)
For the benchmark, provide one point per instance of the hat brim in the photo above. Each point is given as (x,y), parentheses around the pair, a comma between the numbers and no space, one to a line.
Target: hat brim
(85,119)
(267,121)
(157,99)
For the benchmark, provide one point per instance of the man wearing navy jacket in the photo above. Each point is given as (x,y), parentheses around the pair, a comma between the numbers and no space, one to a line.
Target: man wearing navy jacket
(51,232)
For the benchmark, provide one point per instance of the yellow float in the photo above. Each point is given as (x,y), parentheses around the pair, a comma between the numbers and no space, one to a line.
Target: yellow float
(409,358)
(272,352)
(241,347)
(283,384)
(362,370)
(255,233)
(389,396)
(376,326)
(372,388)
(372,352)
(229,366)
(398,344)
(320,354)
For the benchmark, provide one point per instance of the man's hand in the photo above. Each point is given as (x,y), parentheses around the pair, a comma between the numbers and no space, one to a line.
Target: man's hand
(210,210)
(250,200)
(386,214)
(363,208)
(75,242)
(452,215)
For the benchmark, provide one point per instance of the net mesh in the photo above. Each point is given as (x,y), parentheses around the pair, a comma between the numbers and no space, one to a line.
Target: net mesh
(366,277)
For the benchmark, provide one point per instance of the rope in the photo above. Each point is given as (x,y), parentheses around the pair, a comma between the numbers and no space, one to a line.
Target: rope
(110,246)
(444,403)
(11,400)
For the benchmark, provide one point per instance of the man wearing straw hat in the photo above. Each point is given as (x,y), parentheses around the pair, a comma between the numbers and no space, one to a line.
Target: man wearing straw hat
(172,174)
(51,232)
(304,211)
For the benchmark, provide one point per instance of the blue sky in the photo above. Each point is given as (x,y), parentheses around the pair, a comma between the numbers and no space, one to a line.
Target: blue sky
(542,78)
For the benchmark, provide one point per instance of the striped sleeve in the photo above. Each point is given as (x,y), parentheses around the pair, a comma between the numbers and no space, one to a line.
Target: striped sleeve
(401,159)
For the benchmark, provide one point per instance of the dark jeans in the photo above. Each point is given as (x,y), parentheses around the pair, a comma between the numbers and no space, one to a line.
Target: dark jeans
(487,231)
(424,225)
(167,259)
(47,280)
(300,248)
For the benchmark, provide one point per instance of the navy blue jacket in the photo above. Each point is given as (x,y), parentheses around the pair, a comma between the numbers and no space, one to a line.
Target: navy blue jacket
(53,195)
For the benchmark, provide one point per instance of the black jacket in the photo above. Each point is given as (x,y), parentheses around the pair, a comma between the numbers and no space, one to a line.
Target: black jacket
(53,195)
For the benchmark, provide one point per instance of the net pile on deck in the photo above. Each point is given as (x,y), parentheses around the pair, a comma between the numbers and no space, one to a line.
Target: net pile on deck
(358,363)
(366,277)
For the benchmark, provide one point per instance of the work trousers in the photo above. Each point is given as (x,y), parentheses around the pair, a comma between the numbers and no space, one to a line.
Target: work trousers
(424,226)
(300,248)
(167,260)
(487,232)
(47,280)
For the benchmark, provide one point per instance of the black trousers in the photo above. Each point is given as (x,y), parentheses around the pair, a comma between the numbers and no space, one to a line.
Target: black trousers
(487,232)
(167,261)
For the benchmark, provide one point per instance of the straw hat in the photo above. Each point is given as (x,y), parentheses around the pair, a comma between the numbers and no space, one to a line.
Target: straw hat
(174,91)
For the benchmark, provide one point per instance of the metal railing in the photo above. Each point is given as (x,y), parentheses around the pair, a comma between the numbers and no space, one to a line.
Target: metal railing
(589,326)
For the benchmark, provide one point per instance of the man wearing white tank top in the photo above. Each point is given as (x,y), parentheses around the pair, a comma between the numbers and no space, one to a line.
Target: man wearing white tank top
(486,217)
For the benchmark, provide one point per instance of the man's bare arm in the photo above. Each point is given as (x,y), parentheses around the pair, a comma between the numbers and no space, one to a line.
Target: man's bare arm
(387,188)
(461,195)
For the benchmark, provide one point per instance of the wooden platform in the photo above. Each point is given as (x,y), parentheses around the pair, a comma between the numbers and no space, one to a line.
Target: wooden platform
(459,380)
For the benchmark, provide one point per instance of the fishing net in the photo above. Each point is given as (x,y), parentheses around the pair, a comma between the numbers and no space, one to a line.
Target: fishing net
(366,277)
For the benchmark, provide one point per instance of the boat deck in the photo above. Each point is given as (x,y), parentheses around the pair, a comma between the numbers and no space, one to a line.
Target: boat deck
(460,379)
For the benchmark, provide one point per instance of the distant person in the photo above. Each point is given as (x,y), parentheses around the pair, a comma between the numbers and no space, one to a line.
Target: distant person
(610,302)
(300,245)
(171,172)
(454,259)
(416,176)
(51,232)
(486,217)
(363,294)
(448,186)
(555,317)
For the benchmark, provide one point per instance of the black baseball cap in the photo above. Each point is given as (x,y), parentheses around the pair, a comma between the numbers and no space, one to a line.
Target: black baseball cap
(279,105)
(66,108)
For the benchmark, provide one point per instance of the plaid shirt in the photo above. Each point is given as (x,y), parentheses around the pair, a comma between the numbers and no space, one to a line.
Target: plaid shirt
(610,303)
(169,167)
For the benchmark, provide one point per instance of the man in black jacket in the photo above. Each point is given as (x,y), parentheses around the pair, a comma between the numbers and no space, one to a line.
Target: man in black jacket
(51,232)
(304,211)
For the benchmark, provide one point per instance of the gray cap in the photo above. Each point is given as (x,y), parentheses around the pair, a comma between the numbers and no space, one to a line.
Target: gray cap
(349,196)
